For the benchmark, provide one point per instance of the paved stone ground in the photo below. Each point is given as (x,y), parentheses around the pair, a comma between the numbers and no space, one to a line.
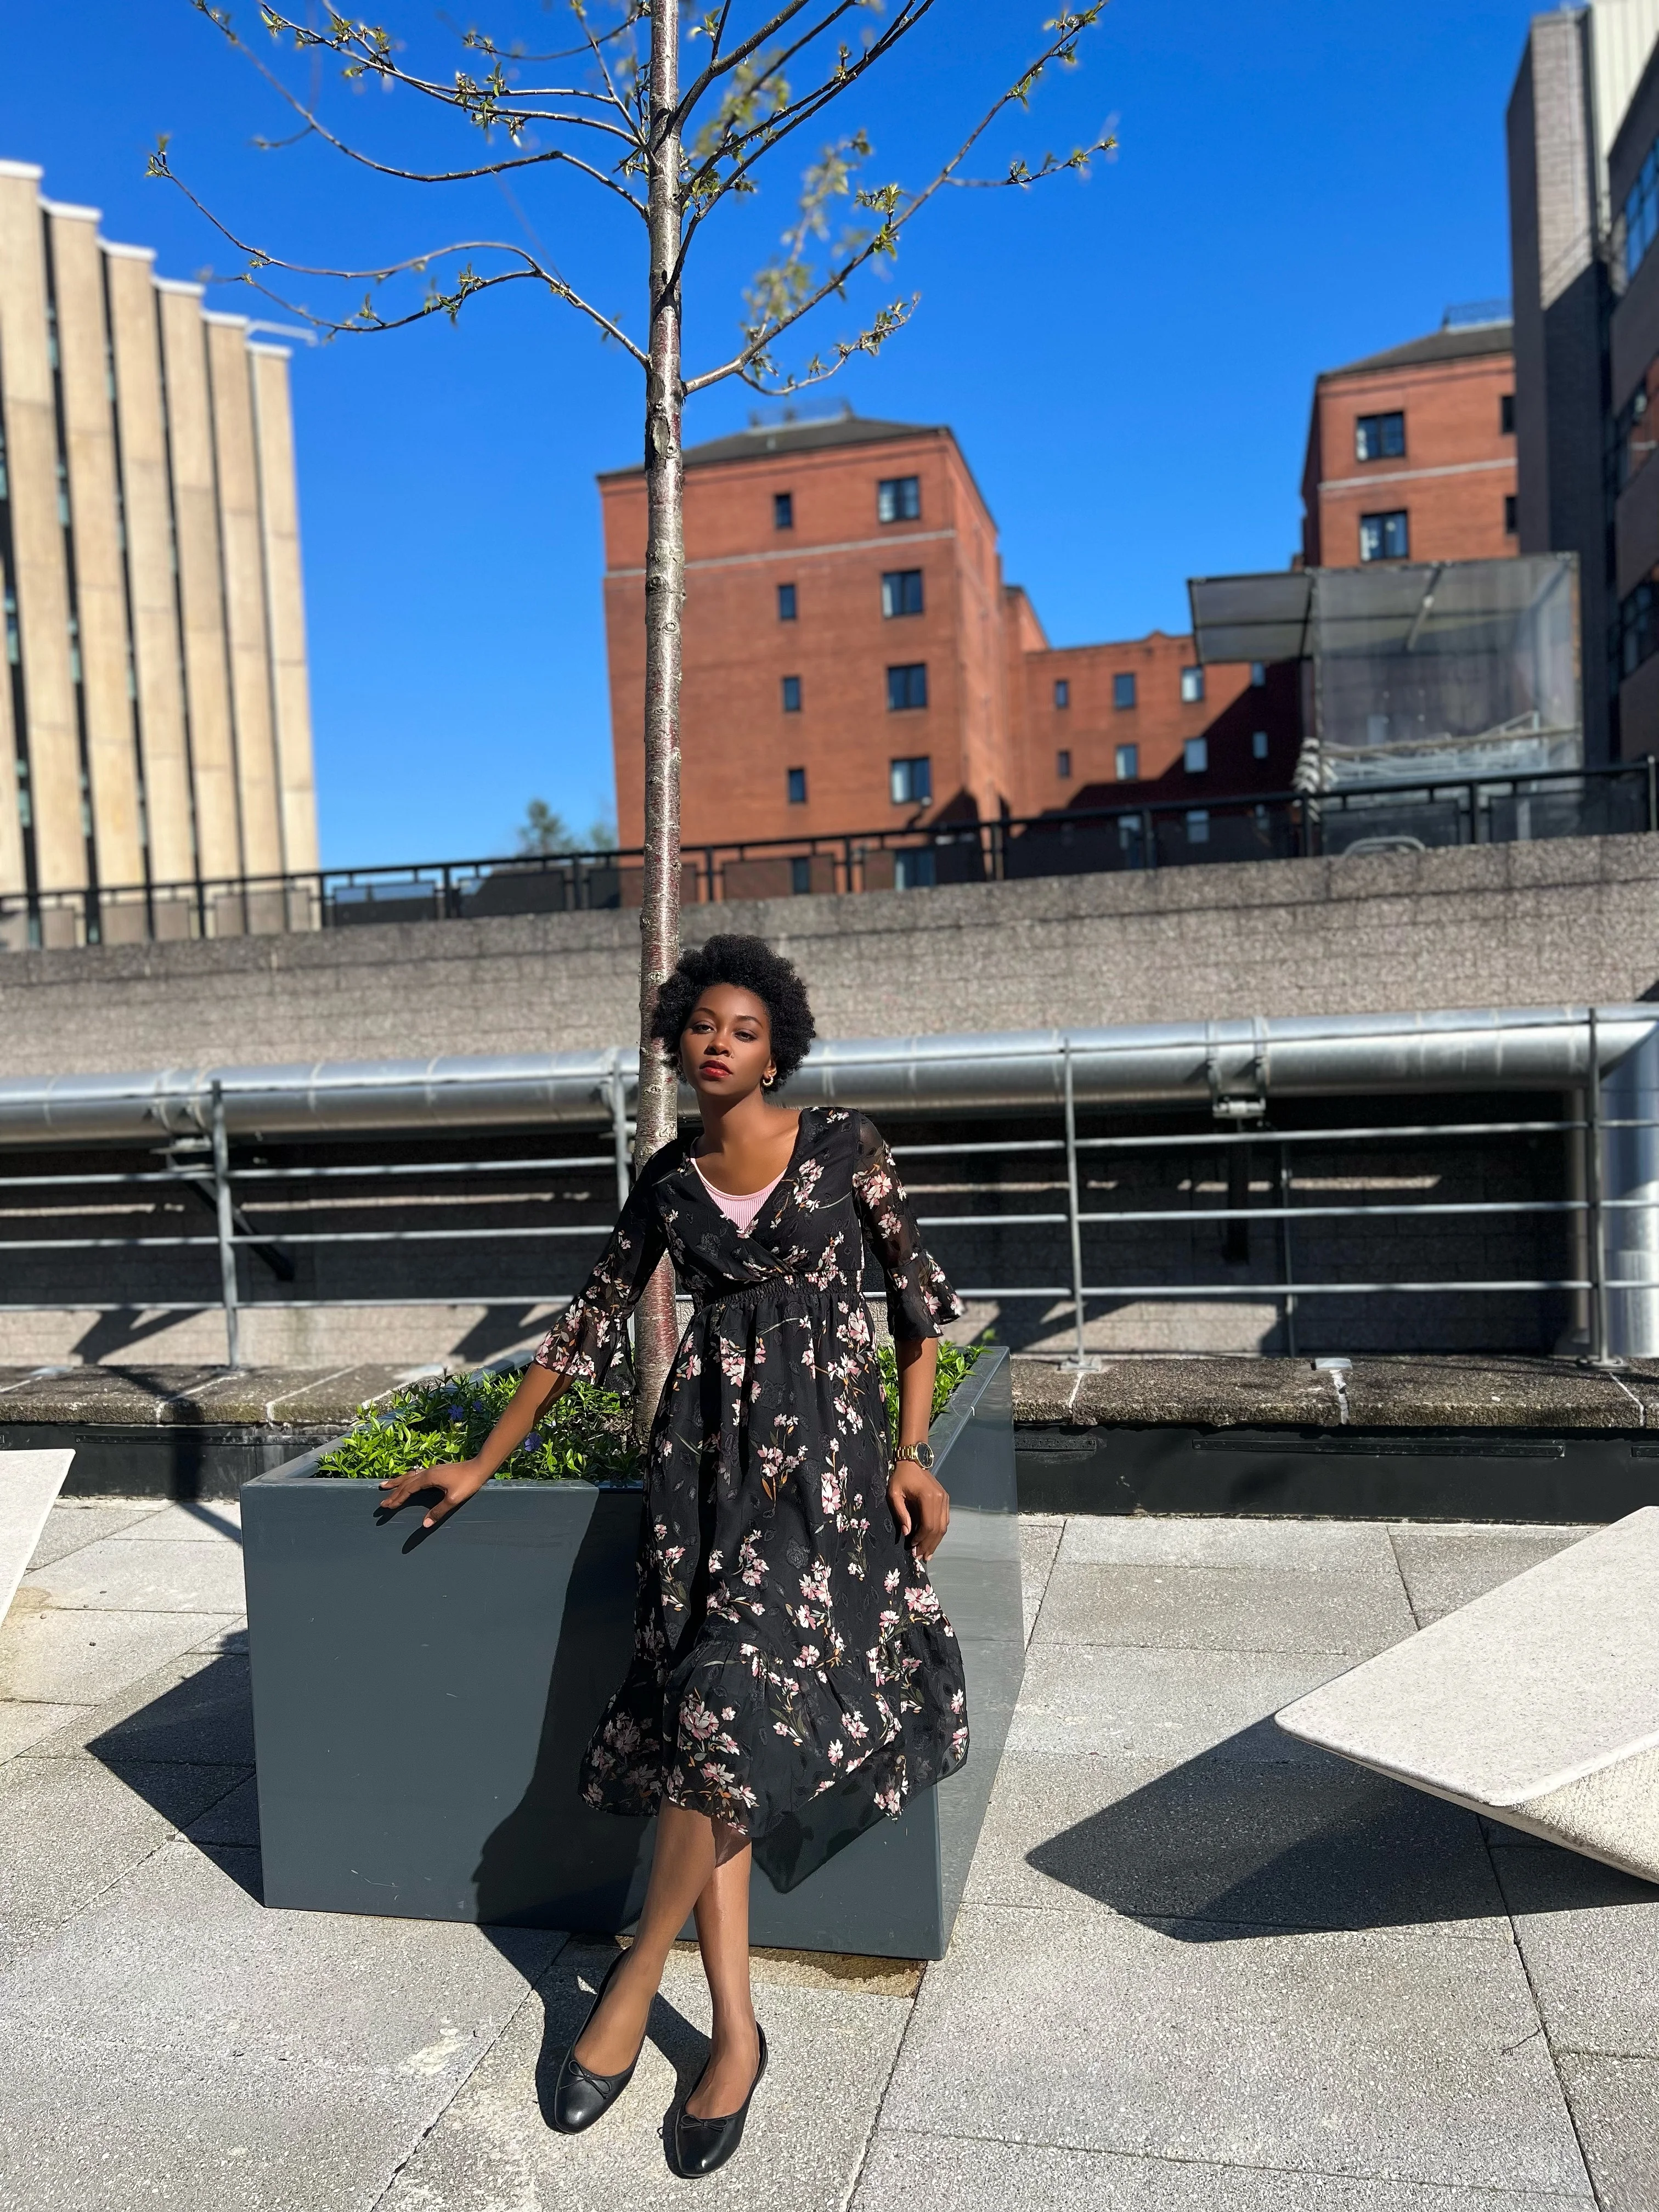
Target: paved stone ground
(1200,1965)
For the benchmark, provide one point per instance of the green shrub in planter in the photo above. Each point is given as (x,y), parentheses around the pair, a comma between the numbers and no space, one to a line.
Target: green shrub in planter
(587,1433)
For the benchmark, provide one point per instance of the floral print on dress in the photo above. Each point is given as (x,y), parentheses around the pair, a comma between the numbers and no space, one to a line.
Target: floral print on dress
(786,1640)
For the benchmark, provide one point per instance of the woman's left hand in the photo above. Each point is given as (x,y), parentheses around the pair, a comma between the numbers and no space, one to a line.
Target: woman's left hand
(921,1506)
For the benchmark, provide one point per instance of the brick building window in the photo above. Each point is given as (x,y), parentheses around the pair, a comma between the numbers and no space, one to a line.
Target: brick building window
(1638,636)
(1506,414)
(1258,673)
(901,592)
(907,686)
(1123,690)
(910,782)
(1385,537)
(797,786)
(1063,764)
(1195,755)
(1198,826)
(1259,744)
(786,602)
(1380,438)
(1192,686)
(800,874)
(792,695)
(1062,691)
(898,499)
(1511,514)
(1641,213)
(1128,763)
(783,510)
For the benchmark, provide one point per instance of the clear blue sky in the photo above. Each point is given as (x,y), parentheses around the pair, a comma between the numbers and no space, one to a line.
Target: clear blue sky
(1127,361)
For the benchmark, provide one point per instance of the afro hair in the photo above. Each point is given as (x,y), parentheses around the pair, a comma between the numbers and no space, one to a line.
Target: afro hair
(748,963)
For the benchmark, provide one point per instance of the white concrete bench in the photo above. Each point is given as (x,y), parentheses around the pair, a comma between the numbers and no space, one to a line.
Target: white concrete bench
(29,1484)
(1538,1705)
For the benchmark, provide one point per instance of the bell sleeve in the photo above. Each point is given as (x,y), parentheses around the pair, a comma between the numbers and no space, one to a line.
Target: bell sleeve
(919,1300)
(593,1328)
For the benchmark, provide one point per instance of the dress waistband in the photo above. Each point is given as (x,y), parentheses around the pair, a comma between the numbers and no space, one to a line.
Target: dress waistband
(749,1292)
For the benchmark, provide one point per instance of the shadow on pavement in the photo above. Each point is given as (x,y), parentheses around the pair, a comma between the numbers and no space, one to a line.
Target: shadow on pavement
(1236,1842)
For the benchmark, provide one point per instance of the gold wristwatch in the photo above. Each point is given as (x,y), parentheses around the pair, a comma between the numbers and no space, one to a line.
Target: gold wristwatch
(922,1454)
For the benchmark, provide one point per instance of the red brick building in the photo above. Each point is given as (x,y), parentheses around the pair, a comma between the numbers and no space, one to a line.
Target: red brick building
(1410,453)
(852,661)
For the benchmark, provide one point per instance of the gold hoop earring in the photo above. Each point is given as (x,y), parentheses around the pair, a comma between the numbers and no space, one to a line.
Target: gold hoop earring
(767,1081)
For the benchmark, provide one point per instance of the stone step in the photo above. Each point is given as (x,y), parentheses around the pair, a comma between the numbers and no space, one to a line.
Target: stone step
(1538,1705)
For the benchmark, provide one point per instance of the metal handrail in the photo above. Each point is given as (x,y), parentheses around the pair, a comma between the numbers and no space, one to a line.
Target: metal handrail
(304,900)
(210,1168)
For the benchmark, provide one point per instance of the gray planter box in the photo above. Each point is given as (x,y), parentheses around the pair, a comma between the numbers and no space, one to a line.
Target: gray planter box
(421,1703)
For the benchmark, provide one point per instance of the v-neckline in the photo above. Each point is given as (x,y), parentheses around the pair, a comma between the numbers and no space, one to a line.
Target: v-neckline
(708,1188)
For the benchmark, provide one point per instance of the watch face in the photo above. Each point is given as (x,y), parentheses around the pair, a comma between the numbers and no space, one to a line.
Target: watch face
(924,1457)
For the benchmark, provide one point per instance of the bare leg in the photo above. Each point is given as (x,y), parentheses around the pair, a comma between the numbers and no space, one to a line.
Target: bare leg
(723,1939)
(681,1869)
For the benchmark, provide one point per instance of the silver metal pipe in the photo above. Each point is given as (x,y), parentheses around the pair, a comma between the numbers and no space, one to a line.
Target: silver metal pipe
(1175,1063)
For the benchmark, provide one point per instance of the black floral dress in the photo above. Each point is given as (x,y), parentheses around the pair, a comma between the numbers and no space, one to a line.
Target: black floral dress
(787,1642)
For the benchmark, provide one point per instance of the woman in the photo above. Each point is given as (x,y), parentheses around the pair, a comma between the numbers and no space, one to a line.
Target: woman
(794,1678)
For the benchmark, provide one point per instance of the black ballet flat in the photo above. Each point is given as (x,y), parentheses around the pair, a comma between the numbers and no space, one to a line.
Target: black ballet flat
(580,2097)
(700,2147)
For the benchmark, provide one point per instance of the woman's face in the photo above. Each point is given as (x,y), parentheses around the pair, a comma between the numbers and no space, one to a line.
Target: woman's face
(726,1048)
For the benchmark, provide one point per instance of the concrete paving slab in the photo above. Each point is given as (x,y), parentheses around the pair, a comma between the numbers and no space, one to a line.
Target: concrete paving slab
(1384,2054)
(93,2124)
(233,1821)
(831,2050)
(70,1526)
(1537,1704)
(197,1709)
(81,1657)
(1353,1549)
(1217,1609)
(230,1636)
(199,1521)
(1615,2109)
(1039,1541)
(1231,1841)
(1166,1705)
(1448,1566)
(953,2174)
(1590,1936)
(23,1724)
(70,1828)
(179,1959)
(29,1484)
(124,1574)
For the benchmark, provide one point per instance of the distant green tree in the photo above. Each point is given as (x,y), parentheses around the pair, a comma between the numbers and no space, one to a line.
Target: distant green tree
(543,830)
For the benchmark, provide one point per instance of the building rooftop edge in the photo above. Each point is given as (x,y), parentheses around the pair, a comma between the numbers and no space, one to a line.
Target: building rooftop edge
(180,285)
(71,211)
(127,253)
(31,170)
(1462,342)
(823,433)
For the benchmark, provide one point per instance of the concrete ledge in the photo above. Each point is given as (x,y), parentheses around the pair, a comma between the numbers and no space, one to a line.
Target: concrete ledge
(190,1397)
(1463,1392)
(1538,1705)
(29,1484)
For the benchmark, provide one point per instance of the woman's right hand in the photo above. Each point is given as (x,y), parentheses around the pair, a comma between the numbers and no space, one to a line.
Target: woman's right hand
(456,1480)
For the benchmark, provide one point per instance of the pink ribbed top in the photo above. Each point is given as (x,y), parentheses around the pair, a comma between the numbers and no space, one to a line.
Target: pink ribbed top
(740,1211)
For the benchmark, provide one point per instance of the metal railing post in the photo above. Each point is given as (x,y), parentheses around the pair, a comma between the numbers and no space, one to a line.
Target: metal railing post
(1594,1167)
(224,1214)
(1653,792)
(1079,1358)
(618,1090)
(1286,1260)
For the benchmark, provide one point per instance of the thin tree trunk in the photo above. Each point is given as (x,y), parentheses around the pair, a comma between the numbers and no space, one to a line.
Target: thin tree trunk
(658,1118)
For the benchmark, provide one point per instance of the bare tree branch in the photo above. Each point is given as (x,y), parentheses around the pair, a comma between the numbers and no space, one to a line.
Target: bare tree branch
(436,300)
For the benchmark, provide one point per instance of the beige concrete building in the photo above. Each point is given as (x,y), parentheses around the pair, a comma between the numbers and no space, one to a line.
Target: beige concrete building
(154,697)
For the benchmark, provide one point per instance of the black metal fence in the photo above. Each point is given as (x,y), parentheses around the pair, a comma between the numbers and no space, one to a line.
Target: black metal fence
(1196,830)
